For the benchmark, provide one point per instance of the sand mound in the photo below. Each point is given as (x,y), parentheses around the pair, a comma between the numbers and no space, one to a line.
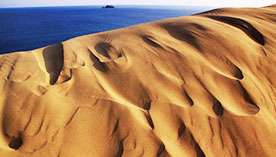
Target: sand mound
(202,85)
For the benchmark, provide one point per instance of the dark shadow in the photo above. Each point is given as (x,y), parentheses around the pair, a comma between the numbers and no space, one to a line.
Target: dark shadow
(103,48)
(199,151)
(217,108)
(161,149)
(16,143)
(184,33)
(243,25)
(147,105)
(116,126)
(248,99)
(181,129)
(54,59)
(150,121)
(97,63)
(191,102)
(121,149)
(107,50)
(148,39)
(239,74)
(200,27)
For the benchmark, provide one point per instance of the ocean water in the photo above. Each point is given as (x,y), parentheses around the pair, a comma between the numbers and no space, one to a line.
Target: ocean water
(24,29)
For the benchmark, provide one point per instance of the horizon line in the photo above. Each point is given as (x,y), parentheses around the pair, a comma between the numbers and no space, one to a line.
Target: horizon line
(161,5)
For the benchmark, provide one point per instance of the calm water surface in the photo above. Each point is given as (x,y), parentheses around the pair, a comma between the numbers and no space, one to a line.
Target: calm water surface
(29,28)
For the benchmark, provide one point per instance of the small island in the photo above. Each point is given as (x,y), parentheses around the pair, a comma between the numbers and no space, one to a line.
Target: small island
(108,6)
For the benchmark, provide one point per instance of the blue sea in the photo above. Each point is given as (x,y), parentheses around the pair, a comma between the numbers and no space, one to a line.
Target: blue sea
(29,28)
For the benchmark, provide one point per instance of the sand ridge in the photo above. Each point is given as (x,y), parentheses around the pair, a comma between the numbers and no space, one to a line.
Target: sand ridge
(200,85)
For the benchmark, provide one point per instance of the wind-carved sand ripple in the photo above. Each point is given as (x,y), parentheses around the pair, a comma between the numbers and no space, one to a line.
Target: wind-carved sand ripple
(201,85)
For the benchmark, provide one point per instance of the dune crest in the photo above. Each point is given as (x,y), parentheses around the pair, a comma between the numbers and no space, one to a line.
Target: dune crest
(201,85)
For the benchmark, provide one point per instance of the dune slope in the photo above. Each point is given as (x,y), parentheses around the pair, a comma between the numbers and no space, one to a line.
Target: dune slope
(201,85)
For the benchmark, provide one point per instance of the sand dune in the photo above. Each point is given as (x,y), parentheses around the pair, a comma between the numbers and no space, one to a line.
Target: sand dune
(201,85)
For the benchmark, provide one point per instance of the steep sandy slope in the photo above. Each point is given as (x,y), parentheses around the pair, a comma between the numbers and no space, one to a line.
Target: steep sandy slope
(202,85)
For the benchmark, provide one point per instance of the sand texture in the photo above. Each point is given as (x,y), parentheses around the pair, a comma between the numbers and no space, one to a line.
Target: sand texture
(201,85)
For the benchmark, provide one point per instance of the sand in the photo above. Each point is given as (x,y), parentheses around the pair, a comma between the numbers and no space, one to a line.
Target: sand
(201,85)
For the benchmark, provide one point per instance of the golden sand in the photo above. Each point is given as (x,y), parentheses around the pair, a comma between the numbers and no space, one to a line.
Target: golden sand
(201,85)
